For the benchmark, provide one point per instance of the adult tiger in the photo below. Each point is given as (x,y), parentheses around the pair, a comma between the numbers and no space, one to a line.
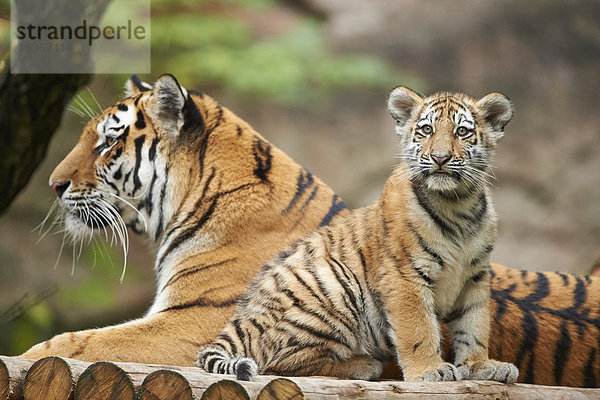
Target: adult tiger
(220,201)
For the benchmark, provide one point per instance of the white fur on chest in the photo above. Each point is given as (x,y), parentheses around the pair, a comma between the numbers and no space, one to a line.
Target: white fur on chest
(456,268)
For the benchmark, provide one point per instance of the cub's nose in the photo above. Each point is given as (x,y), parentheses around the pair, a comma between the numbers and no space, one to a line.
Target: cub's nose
(440,159)
(59,187)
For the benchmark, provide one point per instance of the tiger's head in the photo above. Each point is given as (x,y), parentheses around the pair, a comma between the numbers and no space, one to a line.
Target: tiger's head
(119,171)
(448,140)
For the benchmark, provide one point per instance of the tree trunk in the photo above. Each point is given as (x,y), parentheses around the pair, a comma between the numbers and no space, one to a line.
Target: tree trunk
(31,105)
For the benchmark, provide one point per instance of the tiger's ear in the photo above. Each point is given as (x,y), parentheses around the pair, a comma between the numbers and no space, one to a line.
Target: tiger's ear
(401,103)
(168,107)
(496,110)
(135,86)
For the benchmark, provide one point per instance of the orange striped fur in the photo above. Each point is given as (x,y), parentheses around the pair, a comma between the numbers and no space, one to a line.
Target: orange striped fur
(546,324)
(218,201)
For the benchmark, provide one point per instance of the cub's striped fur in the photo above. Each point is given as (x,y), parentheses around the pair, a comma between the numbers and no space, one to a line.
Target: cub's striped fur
(373,284)
(218,201)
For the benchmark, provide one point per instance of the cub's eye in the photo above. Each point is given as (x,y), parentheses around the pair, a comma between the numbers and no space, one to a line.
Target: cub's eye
(427,129)
(462,131)
(110,141)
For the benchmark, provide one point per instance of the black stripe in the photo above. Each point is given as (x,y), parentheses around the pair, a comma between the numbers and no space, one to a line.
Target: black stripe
(460,312)
(590,373)
(580,293)
(530,330)
(192,270)
(152,151)
(139,142)
(147,201)
(262,156)
(118,174)
(444,226)
(416,346)
(561,353)
(211,364)
(315,332)
(240,333)
(201,302)
(337,205)
(304,181)
(481,275)
(225,337)
(329,307)
(482,254)
(344,284)
(428,281)
(163,190)
(140,122)
(425,246)
(122,107)
(190,232)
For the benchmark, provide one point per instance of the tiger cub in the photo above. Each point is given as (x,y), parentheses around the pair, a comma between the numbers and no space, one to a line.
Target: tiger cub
(373,284)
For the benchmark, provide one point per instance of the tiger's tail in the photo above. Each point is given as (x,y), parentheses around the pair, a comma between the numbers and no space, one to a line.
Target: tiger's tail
(217,361)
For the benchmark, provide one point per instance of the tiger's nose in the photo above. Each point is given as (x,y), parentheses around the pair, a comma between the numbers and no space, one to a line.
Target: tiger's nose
(440,159)
(59,187)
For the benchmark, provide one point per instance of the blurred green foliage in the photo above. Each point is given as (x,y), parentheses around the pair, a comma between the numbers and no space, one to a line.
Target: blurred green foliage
(37,317)
(295,67)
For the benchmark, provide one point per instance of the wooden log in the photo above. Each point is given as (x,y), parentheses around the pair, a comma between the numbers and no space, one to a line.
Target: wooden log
(280,389)
(324,388)
(48,378)
(104,380)
(4,381)
(225,390)
(165,384)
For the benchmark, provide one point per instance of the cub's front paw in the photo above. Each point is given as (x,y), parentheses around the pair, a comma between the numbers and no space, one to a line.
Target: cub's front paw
(490,370)
(443,372)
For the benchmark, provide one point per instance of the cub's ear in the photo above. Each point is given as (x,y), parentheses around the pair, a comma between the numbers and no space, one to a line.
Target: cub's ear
(401,104)
(170,99)
(496,110)
(135,86)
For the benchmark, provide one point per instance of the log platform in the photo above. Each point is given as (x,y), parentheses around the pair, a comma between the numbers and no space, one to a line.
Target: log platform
(62,378)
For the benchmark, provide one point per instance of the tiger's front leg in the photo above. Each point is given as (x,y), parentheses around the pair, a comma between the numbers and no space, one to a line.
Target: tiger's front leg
(416,332)
(169,338)
(469,324)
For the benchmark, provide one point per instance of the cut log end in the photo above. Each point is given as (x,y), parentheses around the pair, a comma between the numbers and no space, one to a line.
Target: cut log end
(49,378)
(165,385)
(104,380)
(225,390)
(280,389)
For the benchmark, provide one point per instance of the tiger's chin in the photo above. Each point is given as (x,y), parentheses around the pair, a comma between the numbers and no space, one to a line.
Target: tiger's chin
(442,182)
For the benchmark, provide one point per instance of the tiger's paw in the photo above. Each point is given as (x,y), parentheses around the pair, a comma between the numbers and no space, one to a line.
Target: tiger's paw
(490,370)
(443,372)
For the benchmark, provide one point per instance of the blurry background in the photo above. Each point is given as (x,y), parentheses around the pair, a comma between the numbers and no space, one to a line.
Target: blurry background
(312,76)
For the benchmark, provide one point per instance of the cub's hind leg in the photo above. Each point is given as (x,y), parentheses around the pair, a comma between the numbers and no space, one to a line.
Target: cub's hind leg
(358,367)
(469,324)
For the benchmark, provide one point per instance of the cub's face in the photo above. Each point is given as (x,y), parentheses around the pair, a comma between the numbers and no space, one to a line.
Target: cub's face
(448,140)
(116,172)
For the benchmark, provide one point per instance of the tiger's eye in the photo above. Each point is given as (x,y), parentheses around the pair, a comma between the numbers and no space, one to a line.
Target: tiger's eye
(427,129)
(110,141)
(461,131)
